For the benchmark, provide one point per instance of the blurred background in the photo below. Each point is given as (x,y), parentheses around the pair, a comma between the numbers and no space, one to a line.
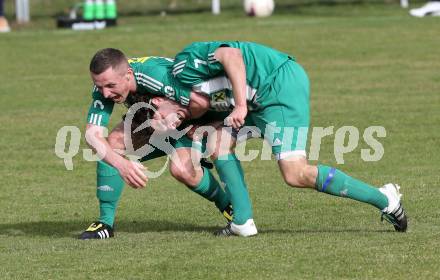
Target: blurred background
(49,8)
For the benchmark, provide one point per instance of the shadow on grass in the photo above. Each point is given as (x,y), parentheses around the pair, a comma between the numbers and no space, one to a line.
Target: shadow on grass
(325,230)
(73,229)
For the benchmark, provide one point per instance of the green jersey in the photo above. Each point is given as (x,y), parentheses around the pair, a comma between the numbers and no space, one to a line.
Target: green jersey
(152,76)
(277,90)
(196,64)
(221,97)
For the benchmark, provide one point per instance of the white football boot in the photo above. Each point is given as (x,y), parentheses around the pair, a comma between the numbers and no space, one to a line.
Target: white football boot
(394,212)
(247,229)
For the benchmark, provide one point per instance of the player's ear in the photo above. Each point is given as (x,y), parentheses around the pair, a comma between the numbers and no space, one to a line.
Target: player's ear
(129,73)
(156,101)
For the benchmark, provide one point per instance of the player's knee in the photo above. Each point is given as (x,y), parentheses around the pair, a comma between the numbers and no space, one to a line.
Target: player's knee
(184,173)
(300,177)
(177,172)
(293,180)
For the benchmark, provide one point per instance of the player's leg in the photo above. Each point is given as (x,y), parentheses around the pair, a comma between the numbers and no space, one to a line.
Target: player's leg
(326,179)
(232,176)
(186,168)
(292,117)
(110,186)
(298,173)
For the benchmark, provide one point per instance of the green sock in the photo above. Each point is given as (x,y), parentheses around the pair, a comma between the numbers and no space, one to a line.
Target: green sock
(340,184)
(210,189)
(231,174)
(109,188)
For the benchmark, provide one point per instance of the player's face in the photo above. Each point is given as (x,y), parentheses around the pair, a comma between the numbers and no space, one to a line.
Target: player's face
(168,114)
(113,83)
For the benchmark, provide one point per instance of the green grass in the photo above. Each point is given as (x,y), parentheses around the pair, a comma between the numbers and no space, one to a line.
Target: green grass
(369,65)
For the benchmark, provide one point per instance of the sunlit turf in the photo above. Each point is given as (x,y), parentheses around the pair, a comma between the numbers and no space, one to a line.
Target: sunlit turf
(368,65)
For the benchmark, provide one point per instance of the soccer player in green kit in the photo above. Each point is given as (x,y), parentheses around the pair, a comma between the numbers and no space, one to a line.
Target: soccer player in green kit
(121,81)
(275,90)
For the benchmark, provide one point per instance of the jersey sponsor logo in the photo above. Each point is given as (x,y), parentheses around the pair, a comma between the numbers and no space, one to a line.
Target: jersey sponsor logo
(219,96)
(95,119)
(220,101)
(222,84)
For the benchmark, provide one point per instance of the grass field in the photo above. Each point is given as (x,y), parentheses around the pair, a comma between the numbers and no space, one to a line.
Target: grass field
(369,65)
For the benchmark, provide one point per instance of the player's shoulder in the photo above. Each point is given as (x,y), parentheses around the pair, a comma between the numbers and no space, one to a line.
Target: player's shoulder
(149,61)
(205,45)
(153,66)
(196,51)
(216,44)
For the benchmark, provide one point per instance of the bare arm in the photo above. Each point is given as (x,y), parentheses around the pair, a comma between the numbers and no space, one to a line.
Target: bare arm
(232,61)
(131,172)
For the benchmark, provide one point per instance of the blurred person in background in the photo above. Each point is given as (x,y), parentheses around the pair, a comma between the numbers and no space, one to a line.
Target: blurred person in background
(431,8)
(4,26)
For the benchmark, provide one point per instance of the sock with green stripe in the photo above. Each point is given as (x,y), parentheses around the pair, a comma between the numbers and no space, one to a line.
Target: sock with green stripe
(231,174)
(210,189)
(335,182)
(109,188)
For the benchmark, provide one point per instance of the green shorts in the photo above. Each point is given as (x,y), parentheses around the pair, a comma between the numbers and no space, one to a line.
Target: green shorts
(284,119)
(182,142)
